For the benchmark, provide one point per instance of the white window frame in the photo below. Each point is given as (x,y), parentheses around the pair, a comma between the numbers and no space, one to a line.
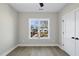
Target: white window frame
(39,19)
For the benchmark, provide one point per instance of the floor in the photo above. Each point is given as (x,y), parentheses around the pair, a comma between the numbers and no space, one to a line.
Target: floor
(38,51)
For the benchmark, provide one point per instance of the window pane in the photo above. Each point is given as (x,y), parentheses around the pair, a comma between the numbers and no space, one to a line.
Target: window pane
(44,28)
(34,28)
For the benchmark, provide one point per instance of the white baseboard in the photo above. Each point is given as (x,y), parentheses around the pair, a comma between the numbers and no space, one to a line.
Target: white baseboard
(60,47)
(9,50)
(37,44)
(63,49)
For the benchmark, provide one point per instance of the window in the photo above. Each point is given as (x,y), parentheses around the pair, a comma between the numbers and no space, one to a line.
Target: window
(39,28)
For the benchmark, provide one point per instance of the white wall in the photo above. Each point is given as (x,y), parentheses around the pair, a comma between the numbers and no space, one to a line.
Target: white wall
(8,26)
(68,8)
(24,29)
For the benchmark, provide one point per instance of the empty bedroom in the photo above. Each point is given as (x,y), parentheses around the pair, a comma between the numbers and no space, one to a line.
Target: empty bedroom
(39,29)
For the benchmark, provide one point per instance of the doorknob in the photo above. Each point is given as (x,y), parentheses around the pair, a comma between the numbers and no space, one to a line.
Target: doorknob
(77,38)
(73,37)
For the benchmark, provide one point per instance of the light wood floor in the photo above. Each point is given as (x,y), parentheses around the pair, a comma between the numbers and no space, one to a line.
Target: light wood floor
(37,51)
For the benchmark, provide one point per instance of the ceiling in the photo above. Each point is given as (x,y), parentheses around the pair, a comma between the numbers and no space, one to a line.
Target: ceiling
(35,7)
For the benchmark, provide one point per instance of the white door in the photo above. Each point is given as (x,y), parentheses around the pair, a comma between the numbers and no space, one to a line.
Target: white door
(69,33)
(77,33)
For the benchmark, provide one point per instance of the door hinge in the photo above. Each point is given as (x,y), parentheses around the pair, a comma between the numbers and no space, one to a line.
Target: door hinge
(63,44)
(62,20)
(63,32)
